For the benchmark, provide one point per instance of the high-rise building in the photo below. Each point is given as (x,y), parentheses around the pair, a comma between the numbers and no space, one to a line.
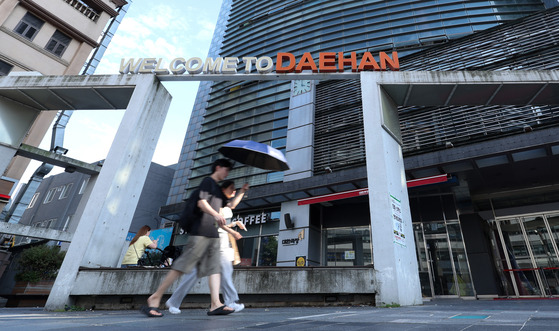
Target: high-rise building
(51,38)
(231,110)
(484,200)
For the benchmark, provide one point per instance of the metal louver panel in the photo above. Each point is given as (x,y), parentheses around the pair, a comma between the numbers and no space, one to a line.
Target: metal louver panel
(527,44)
(339,140)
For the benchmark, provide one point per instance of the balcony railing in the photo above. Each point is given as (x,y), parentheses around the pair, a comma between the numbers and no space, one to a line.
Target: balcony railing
(87,11)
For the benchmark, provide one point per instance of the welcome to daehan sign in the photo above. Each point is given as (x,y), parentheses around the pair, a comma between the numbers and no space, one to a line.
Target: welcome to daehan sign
(285,63)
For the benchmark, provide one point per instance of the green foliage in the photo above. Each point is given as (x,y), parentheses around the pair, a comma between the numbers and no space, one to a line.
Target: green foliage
(269,251)
(39,263)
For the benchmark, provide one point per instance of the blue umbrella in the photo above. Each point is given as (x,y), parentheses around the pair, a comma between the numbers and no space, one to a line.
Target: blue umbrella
(255,154)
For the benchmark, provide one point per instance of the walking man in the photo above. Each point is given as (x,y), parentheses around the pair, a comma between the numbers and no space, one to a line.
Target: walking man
(202,248)
(230,295)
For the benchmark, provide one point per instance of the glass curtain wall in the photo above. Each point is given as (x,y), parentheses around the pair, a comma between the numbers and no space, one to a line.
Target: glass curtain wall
(259,110)
(259,245)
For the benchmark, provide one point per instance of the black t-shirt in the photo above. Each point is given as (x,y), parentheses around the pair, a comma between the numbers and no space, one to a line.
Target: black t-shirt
(207,226)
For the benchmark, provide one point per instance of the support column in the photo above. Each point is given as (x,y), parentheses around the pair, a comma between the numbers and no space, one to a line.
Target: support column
(299,154)
(394,256)
(300,130)
(105,217)
(15,122)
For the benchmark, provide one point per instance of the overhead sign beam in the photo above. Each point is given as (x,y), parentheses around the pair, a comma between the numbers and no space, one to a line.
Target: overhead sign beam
(69,164)
(34,232)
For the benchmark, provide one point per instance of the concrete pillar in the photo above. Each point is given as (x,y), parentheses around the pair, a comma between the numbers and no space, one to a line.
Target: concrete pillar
(105,217)
(300,130)
(299,153)
(394,256)
(15,121)
(6,155)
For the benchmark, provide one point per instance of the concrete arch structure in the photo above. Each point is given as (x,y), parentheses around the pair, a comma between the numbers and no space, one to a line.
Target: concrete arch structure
(112,196)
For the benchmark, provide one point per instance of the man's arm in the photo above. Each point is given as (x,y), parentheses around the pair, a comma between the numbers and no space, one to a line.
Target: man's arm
(206,208)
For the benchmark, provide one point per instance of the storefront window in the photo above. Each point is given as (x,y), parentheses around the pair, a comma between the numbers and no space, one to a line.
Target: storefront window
(268,251)
(347,246)
(259,246)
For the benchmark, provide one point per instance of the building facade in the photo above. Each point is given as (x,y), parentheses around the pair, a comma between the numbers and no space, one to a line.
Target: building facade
(486,229)
(51,38)
(55,202)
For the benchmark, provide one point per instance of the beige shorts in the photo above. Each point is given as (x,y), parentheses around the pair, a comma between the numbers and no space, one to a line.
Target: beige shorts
(202,253)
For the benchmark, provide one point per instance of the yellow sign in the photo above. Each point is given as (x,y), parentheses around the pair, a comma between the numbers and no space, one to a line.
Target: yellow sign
(301,261)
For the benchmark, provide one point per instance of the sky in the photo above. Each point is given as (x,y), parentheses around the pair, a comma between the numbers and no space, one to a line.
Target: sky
(158,29)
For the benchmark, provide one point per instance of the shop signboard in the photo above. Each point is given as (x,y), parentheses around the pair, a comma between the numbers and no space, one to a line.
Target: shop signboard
(328,62)
(396,207)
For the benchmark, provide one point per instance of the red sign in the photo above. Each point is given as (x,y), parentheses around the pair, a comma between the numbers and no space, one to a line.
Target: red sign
(365,191)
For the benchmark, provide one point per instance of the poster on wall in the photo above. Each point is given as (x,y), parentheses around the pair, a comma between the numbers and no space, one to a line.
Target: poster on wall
(396,207)
(163,237)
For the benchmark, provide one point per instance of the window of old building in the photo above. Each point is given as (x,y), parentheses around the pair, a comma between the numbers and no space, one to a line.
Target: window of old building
(33,200)
(65,191)
(29,26)
(58,43)
(50,195)
(5,68)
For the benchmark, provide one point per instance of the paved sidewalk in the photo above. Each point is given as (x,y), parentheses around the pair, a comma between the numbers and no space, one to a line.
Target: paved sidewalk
(443,314)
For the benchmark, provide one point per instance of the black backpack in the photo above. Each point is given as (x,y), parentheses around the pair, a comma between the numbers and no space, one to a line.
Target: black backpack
(191,212)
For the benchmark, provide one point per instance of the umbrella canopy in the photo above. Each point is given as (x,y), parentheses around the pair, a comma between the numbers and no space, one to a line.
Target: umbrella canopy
(255,154)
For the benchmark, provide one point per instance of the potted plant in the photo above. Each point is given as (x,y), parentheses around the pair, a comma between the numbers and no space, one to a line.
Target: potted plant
(37,269)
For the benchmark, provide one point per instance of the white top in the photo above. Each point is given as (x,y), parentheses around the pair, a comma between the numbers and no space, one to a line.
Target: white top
(225,245)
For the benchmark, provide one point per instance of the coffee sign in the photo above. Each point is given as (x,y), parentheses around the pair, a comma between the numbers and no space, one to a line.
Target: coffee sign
(253,219)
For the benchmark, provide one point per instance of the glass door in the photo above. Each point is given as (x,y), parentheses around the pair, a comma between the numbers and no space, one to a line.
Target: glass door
(424,262)
(530,255)
(518,261)
(552,272)
(443,265)
(442,270)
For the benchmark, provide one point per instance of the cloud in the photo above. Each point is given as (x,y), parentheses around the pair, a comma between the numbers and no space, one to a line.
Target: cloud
(206,30)
(101,129)
(155,29)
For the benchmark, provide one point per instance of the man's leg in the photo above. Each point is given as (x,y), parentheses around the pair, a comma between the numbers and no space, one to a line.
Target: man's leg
(155,299)
(187,282)
(214,282)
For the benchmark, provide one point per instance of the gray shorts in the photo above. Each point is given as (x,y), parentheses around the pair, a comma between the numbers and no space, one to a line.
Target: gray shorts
(202,253)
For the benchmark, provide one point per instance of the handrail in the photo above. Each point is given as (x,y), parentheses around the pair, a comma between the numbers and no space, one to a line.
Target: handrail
(84,9)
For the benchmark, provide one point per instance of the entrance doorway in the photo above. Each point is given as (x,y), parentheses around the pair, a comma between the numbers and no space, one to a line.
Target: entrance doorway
(528,253)
(442,260)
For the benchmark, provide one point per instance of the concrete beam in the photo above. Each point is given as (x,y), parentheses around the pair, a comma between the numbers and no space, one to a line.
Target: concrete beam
(34,232)
(58,160)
